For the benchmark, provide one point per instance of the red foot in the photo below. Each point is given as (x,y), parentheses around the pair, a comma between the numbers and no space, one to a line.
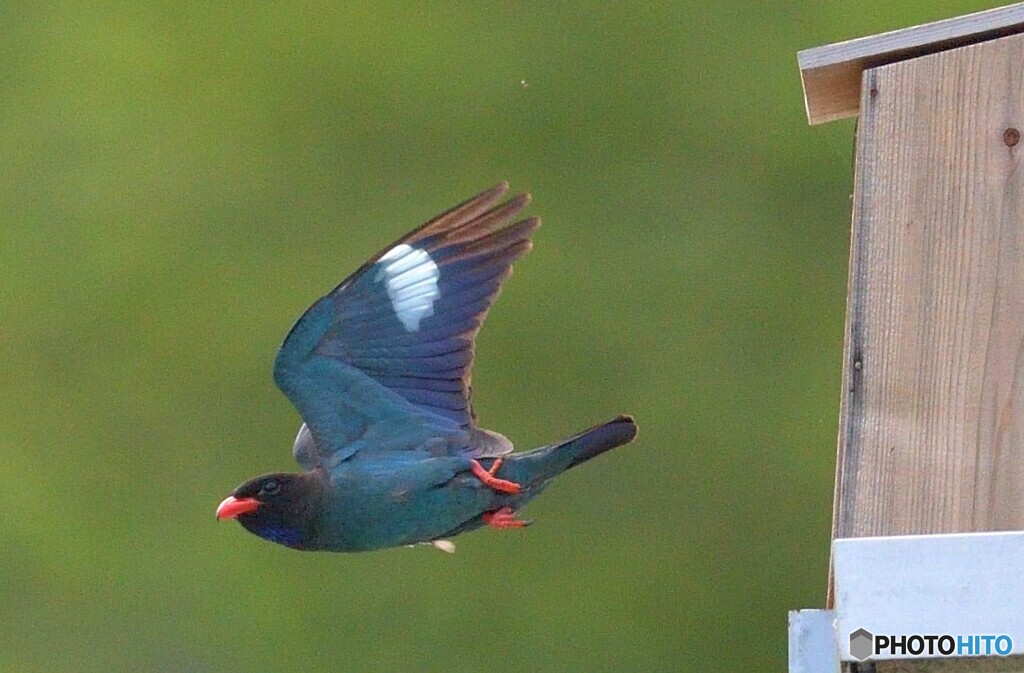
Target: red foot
(487,476)
(504,518)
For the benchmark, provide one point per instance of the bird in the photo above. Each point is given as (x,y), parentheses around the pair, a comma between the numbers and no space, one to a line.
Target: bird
(380,371)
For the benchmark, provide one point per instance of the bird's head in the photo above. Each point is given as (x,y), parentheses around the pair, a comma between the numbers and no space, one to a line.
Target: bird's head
(280,507)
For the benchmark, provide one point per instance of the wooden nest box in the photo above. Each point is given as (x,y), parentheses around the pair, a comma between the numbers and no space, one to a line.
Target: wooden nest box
(931,431)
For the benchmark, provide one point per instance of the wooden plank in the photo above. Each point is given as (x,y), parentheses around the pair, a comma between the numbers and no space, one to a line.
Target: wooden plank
(832,74)
(931,436)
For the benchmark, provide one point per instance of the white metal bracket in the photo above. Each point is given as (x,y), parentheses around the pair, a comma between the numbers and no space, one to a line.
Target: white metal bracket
(929,596)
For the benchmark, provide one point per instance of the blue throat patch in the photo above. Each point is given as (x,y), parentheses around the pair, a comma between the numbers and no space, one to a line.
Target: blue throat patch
(289,537)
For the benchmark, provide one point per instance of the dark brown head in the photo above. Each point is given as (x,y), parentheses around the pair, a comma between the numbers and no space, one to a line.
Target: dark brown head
(285,508)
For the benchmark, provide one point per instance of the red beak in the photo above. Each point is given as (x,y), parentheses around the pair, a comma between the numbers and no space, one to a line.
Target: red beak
(232,507)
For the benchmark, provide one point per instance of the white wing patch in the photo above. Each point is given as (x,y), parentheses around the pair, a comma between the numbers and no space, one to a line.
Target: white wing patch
(411,279)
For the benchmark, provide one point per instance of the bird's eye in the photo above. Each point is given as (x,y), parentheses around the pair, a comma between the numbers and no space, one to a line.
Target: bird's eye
(271,487)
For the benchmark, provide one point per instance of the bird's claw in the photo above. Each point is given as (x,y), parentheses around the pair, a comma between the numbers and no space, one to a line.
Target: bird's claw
(504,518)
(488,478)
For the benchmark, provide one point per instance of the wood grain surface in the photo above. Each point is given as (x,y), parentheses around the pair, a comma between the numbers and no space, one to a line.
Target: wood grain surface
(932,418)
(832,74)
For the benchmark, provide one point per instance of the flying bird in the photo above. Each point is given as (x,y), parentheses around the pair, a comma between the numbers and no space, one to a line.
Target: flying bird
(380,371)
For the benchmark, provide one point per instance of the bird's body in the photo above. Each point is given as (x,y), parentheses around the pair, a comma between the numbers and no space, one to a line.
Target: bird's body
(400,498)
(380,372)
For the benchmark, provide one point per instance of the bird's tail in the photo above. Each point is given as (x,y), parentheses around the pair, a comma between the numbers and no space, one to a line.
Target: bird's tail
(598,439)
(534,468)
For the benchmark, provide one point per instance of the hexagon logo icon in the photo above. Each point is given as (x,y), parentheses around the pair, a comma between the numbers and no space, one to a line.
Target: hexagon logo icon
(862,644)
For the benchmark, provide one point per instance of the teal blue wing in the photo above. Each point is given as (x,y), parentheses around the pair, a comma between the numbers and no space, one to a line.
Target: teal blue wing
(383,362)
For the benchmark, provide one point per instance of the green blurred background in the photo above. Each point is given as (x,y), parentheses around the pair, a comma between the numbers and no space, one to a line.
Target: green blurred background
(178,181)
